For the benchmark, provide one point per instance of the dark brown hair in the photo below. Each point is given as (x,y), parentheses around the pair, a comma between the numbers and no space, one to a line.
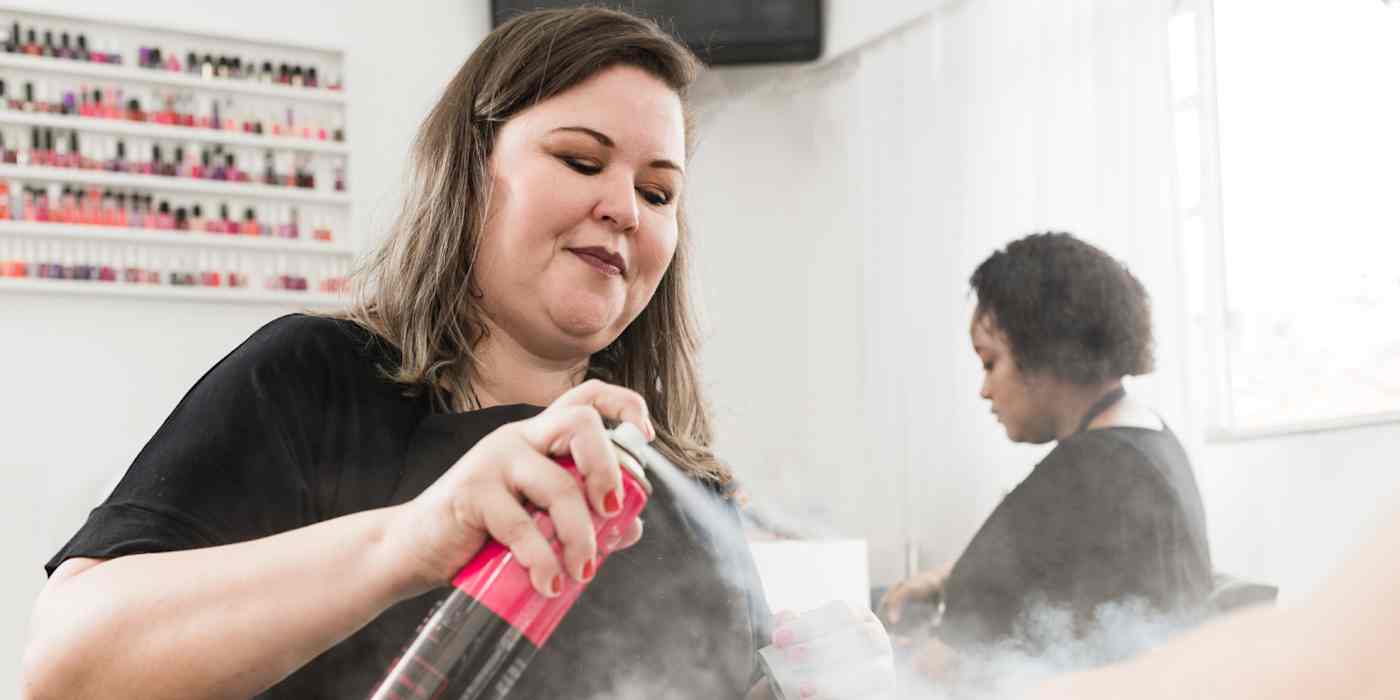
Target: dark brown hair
(1066,308)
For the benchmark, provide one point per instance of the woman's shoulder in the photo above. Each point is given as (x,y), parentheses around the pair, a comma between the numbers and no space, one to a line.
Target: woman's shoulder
(302,351)
(1108,455)
(295,331)
(304,340)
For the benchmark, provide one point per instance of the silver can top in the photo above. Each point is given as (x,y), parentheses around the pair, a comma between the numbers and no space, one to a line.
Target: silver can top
(634,452)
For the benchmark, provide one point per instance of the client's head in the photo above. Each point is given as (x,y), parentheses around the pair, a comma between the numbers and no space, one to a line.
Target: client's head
(1057,320)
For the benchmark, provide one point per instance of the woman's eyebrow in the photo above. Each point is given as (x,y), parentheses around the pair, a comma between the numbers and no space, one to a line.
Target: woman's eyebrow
(607,142)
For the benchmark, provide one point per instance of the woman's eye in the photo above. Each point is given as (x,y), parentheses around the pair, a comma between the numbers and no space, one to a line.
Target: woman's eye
(986,366)
(581,166)
(656,197)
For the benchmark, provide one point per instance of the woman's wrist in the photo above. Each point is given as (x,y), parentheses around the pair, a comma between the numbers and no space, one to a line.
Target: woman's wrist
(397,566)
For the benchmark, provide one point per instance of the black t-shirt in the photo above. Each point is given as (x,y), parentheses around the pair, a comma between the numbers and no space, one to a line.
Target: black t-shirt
(1109,516)
(298,425)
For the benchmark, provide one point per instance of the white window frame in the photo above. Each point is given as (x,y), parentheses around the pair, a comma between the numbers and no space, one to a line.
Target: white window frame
(1210,322)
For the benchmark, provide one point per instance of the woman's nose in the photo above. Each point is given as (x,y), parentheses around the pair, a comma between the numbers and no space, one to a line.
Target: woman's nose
(618,205)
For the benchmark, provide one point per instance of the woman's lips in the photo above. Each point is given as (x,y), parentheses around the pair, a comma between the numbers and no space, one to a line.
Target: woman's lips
(601,259)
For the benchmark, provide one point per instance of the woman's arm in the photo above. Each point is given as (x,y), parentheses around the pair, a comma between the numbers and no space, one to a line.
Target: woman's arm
(218,622)
(230,621)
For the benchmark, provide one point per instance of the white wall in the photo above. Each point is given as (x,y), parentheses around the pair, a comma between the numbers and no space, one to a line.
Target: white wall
(89,379)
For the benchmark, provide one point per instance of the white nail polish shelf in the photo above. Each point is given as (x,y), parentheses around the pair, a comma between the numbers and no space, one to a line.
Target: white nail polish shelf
(173,293)
(28,240)
(160,132)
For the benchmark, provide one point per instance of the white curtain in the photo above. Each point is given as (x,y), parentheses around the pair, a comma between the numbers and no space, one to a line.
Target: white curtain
(839,210)
(1031,115)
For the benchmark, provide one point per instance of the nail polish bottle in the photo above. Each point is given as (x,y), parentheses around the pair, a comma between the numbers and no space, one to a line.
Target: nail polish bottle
(165,221)
(187,110)
(25,156)
(219,172)
(32,47)
(304,178)
(75,153)
(82,208)
(209,275)
(57,152)
(136,216)
(81,53)
(65,47)
(117,163)
(50,48)
(13,44)
(182,219)
(67,206)
(107,270)
(269,169)
(250,223)
(233,173)
(121,211)
(39,155)
(131,269)
(28,211)
(28,104)
(42,211)
(108,214)
(175,168)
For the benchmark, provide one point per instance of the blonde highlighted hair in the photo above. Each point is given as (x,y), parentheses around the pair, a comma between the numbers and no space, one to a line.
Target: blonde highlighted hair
(417,291)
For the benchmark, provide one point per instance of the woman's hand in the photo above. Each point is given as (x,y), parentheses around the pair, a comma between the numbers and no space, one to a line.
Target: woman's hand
(485,495)
(922,587)
(835,652)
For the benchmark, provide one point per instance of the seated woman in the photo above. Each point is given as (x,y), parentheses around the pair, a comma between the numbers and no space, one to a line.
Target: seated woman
(1112,514)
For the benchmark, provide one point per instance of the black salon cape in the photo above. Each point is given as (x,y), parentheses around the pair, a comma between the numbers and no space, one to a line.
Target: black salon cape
(297,426)
(1110,516)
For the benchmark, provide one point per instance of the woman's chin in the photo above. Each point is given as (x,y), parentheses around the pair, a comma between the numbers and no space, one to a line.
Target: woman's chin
(588,320)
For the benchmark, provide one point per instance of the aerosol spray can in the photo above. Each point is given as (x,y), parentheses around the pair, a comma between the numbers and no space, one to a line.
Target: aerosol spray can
(487,630)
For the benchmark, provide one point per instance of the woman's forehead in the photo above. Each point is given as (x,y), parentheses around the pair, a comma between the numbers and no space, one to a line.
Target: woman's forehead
(633,110)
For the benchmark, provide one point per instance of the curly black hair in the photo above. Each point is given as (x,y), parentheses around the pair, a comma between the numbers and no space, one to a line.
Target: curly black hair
(1066,308)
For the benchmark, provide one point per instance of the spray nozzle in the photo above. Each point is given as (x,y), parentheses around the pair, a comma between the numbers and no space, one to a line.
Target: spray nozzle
(635,454)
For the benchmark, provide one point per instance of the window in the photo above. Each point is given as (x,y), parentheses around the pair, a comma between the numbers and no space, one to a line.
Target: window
(1288,143)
